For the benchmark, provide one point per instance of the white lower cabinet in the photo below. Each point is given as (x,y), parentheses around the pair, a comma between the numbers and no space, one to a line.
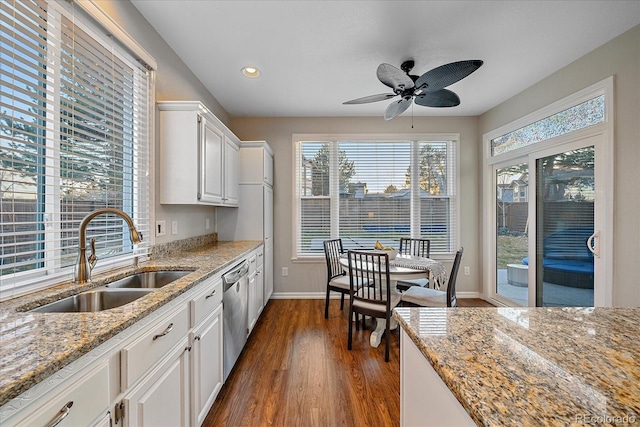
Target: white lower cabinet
(165,370)
(162,398)
(206,365)
(84,402)
(256,287)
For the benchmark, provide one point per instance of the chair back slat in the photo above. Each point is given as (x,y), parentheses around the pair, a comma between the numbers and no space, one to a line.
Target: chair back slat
(332,251)
(416,247)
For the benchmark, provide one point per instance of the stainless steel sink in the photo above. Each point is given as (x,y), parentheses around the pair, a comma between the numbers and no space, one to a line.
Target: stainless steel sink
(95,300)
(148,279)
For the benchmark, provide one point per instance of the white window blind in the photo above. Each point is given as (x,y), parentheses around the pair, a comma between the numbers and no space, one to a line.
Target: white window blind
(74,137)
(363,191)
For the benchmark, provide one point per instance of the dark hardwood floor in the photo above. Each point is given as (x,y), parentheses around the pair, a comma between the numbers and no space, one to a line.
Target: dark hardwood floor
(295,370)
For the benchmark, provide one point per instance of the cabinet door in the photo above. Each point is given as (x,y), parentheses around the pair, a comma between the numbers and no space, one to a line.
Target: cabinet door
(268,270)
(162,398)
(206,365)
(253,302)
(210,163)
(268,168)
(268,212)
(231,173)
(259,290)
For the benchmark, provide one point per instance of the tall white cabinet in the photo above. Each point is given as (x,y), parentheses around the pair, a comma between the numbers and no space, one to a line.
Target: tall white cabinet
(253,219)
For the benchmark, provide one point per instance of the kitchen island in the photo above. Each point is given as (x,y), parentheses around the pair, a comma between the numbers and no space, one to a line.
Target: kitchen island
(36,346)
(521,366)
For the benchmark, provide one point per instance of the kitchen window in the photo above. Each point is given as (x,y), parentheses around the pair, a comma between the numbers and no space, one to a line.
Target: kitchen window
(364,188)
(74,137)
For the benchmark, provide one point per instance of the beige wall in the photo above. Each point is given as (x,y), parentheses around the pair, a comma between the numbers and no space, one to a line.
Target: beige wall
(619,58)
(311,277)
(174,82)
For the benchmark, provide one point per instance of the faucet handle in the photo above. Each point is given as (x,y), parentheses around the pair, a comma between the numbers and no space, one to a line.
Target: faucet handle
(93,258)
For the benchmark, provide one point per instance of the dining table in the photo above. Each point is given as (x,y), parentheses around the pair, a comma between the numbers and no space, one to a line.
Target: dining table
(404,267)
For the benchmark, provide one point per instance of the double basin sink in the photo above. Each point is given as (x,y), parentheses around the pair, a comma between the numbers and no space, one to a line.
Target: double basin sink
(114,294)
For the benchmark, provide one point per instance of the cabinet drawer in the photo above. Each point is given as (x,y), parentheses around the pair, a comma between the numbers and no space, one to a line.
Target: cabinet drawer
(260,258)
(150,347)
(87,399)
(252,264)
(206,302)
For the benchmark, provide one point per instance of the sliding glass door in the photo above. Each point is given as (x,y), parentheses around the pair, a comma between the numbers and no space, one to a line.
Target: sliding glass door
(565,234)
(548,217)
(512,227)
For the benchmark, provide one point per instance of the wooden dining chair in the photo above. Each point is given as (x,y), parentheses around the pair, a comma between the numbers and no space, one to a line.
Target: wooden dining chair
(337,279)
(377,298)
(426,297)
(416,247)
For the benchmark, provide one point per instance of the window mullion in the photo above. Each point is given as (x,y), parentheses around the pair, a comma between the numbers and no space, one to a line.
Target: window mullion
(415,189)
(334,188)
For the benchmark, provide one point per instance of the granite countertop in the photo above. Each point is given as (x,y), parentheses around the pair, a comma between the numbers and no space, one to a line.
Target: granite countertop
(33,346)
(534,366)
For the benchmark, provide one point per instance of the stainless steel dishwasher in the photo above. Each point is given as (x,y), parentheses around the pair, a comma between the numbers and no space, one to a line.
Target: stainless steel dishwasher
(235,303)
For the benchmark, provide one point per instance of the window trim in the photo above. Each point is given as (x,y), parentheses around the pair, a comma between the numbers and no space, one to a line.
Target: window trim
(454,139)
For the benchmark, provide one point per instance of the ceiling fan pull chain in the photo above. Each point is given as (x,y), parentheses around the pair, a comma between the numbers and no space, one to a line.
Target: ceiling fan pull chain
(411,116)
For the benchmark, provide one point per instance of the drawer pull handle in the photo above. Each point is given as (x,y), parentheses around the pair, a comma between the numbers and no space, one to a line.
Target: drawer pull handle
(62,414)
(211,294)
(166,331)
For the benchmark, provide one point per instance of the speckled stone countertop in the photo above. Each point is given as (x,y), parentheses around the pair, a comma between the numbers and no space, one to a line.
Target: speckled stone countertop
(534,366)
(35,345)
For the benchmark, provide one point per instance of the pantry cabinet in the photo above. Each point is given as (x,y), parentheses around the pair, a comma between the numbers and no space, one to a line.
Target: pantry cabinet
(253,219)
(199,156)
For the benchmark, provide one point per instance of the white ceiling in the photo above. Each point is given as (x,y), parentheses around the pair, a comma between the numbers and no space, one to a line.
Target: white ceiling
(314,55)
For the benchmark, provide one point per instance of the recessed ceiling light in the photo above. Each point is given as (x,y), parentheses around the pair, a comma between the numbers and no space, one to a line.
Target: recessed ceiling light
(251,72)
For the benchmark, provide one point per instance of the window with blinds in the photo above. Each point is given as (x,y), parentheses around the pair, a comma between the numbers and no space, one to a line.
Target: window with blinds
(74,137)
(365,191)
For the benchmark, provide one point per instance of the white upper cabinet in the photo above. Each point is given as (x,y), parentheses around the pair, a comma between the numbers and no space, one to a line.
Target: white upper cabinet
(199,156)
(256,163)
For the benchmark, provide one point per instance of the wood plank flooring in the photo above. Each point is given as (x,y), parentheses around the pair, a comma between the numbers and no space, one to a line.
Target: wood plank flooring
(295,370)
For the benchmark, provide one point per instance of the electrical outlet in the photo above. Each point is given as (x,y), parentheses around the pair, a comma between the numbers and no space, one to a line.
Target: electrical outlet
(207,224)
(174,227)
(285,271)
(467,271)
(161,228)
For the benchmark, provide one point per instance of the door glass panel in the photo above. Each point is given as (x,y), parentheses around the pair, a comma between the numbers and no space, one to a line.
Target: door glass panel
(512,198)
(564,218)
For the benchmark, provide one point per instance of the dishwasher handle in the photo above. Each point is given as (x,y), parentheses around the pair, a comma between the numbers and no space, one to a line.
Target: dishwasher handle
(232,276)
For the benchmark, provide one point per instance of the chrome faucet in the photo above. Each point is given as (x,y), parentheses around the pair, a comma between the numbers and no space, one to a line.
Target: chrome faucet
(83,268)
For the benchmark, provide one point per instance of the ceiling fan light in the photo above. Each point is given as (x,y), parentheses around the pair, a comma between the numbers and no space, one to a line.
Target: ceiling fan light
(251,72)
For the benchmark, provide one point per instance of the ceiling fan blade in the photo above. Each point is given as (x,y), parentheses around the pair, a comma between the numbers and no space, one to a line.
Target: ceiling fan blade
(371,98)
(393,77)
(439,98)
(445,75)
(396,108)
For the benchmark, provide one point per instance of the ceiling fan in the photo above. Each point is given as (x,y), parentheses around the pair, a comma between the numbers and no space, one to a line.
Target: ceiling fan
(427,90)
